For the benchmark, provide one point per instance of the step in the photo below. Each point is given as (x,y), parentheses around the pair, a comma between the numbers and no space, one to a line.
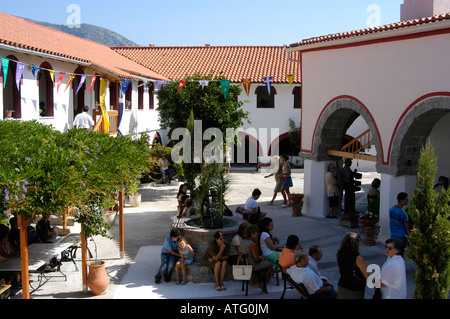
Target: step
(197,273)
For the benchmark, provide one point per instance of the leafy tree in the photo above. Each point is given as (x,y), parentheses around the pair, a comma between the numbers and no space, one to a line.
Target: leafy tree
(207,103)
(430,235)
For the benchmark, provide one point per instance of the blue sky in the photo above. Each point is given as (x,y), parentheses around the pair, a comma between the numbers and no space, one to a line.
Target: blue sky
(216,22)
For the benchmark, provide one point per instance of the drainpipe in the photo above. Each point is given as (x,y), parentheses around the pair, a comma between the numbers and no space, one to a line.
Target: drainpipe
(288,54)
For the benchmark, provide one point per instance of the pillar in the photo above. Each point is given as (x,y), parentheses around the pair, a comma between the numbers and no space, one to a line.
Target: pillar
(315,200)
(390,187)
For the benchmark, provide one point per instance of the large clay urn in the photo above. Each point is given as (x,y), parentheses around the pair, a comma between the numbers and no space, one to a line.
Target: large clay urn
(98,280)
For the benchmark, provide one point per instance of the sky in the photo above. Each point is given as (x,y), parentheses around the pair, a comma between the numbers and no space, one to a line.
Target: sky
(214,22)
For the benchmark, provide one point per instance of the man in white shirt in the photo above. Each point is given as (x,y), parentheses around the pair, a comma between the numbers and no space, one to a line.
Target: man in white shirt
(84,120)
(315,254)
(300,273)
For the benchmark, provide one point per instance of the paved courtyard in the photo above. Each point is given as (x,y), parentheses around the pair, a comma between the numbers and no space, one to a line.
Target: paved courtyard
(146,227)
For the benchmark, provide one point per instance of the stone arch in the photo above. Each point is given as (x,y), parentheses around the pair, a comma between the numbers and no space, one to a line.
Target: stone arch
(413,130)
(336,118)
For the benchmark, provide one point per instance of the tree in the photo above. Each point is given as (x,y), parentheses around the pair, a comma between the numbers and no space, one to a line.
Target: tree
(208,104)
(430,236)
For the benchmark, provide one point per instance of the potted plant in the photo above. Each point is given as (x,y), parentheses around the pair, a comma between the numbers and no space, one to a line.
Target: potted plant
(8,114)
(132,191)
(368,218)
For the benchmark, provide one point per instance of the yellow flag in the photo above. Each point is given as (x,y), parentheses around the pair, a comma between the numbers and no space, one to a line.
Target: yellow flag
(103,86)
(290,78)
(52,75)
(70,81)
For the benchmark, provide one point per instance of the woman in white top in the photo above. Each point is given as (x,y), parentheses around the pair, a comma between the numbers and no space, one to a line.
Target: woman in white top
(393,272)
(269,244)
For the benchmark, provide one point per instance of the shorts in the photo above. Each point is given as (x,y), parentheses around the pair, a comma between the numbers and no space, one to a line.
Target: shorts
(277,188)
(333,201)
(287,182)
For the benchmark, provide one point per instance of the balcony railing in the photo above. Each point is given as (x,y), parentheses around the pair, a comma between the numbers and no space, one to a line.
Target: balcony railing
(113,121)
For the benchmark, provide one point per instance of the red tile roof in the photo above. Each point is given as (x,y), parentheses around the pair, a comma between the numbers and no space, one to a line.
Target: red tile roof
(236,62)
(383,28)
(21,33)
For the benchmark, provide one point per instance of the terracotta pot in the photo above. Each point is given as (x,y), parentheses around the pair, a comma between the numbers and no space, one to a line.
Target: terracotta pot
(297,203)
(98,280)
(368,222)
(8,114)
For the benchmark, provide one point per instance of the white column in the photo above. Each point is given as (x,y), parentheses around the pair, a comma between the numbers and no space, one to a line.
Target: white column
(390,187)
(315,202)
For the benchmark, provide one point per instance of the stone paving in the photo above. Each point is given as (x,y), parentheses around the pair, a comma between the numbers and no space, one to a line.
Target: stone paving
(146,227)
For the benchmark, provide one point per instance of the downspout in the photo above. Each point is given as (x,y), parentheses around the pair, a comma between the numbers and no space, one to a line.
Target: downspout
(288,54)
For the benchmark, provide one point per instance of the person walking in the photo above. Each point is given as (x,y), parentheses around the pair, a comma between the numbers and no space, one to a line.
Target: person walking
(84,120)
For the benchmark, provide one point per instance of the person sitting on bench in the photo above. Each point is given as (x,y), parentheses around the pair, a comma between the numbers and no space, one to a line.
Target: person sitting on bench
(164,167)
(300,273)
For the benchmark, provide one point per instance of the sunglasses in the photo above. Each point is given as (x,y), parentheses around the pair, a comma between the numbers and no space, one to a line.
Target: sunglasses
(389,247)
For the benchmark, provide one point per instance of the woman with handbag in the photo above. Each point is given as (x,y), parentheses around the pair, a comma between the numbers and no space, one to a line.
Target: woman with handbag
(261,266)
(216,258)
(352,268)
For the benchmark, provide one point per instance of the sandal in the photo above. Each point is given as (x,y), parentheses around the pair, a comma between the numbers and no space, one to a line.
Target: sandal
(218,288)
(223,288)
(184,282)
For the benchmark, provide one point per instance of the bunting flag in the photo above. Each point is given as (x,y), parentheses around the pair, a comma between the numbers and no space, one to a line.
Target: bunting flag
(35,69)
(268,80)
(19,72)
(160,83)
(72,76)
(103,87)
(94,77)
(83,78)
(5,65)
(52,75)
(203,83)
(181,84)
(246,83)
(125,84)
(225,87)
(60,78)
(290,78)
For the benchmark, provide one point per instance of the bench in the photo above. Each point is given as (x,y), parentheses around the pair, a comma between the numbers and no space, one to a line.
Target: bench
(299,287)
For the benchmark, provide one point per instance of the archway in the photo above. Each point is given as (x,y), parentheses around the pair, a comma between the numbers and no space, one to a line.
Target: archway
(336,118)
(413,130)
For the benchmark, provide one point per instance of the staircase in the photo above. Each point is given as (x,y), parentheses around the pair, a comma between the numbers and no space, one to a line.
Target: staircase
(352,149)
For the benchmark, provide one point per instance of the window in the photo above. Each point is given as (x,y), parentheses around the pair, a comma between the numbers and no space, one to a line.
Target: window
(128,104)
(141,86)
(263,99)
(151,97)
(297,91)
(45,90)
(78,99)
(114,95)
(11,95)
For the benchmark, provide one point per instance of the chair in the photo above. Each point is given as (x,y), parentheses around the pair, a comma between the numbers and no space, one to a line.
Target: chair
(275,272)
(299,287)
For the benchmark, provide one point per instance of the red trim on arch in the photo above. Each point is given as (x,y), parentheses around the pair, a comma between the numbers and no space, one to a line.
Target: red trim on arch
(394,133)
(277,141)
(365,108)
(253,140)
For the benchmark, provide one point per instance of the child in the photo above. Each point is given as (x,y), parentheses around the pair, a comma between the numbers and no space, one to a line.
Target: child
(188,203)
(169,256)
(187,257)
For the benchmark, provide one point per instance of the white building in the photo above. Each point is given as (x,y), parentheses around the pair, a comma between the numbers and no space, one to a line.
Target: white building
(396,78)
(61,58)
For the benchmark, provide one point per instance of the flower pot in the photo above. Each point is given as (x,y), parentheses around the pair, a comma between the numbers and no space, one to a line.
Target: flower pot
(110,217)
(296,201)
(8,114)
(368,222)
(98,280)
(135,200)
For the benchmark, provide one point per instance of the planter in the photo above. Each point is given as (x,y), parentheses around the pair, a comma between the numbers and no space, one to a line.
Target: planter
(98,280)
(368,222)
(296,201)
(350,223)
(135,200)
(110,217)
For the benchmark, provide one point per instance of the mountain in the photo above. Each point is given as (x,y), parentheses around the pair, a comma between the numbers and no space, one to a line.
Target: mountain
(91,32)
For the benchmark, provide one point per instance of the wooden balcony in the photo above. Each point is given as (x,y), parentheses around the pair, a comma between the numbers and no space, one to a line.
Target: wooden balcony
(113,122)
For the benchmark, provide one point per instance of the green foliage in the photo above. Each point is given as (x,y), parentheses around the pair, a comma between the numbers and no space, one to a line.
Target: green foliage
(294,137)
(430,236)
(213,187)
(208,104)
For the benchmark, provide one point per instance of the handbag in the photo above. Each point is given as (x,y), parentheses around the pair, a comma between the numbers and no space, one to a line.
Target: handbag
(242,272)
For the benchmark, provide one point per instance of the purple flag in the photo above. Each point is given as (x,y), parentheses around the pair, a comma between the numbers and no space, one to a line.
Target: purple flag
(19,71)
(83,78)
